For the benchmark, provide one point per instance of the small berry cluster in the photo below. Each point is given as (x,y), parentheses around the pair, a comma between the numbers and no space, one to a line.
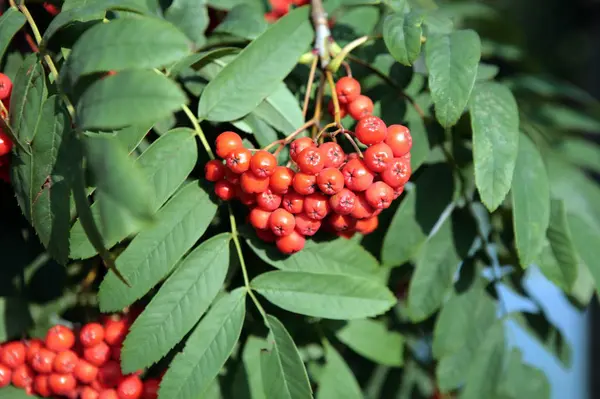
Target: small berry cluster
(5,142)
(327,187)
(279,8)
(72,365)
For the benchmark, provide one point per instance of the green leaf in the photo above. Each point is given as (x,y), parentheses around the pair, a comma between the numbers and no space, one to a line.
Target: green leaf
(402,36)
(331,296)
(11,392)
(248,383)
(243,21)
(420,144)
(283,372)
(568,119)
(521,380)
(15,318)
(495,124)
(207,349)
(128,43)
(417,215)
(200,60)
(281,110)
(531,201)
(191,17)
(334,257)
(486,72)
(154,252)
(487,362)
(122,188)
(452,61)
(258,70)
(337,380)
(27,98)
(585,235)
(179,304)
(165,165)
(10,23)
(373,340)
(129,97)
(582,152)
(436,264)
(263,132)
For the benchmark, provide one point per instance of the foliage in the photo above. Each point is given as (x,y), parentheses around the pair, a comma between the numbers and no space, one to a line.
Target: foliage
(114,113)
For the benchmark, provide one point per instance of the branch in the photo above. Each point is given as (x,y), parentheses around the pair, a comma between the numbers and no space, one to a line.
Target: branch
(319,18)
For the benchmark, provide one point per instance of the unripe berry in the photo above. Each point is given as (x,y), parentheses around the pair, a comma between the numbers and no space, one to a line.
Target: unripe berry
(347,89)
(304,183)
(60,338)
(360,108)
(311,161)
(293,202)
(227,142)
(268,200)
(214,171)
(291,243)
(225,190)
(307,226)
(252,183)
(281,179)
(263,163)
(282,222)
(300,145)
(399,140)
(334,154)
(378,157)
(343,202)
(370,130)
(316,206)
(368,225)
(259,218)
(238,160)
(397,173)
(357,177)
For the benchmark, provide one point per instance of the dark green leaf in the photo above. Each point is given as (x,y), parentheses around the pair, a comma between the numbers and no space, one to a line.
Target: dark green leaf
(243,21)
(129,97)
(329,296)
(179,304)
(568,118)
(165,165)
(281,110)
(585,235)
(420,144)
(11,392)
(191,17)
(263,132)
(283,372)
(582,152)
(495,124)
(10,23)
(207,349)
(249,383)
(258,70)
(15,318)
(200,60)
(521,380)
(337,380)
(531,201)
(154,252)
(402,36)
(372,340)
(127,44)
(452,61)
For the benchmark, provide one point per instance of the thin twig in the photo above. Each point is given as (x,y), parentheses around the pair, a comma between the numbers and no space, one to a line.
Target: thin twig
(347,135)
(334,97)
(198,130)
(318,106)
(311,78)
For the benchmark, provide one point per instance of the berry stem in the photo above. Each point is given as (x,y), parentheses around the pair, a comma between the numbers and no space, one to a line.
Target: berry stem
(238,247)
(198,130)
(318,106)
(339,59)
(311,78)
(334,97)
(358,151)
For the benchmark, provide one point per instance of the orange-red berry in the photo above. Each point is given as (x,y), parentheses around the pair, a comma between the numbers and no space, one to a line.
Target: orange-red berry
(357,177)
(89,393)
(109,375)
(347,89)
(331,109)
(330,181)
(43,360)
(341,222)
(22,376)
(311,160)
(263,163)
(362,208)
(334,154)
(379,195)
(227,142)
(130,388)
(5,144)
(293,202)
(304,183)
(65,362)
(397,173)
(225,190)
(13,354)
(306,225)
(32,347)
(378,157)
(316,206)
(291,243)
(60,338)
(41,386)
(108,394)
(150,390)
(5,87)
(268,200)
(281,179)
(370,130)
(266,235)
(252,183)
(300,145)
(399,140)
(368,225)
(282,222)
(98,354)
(343,202)
(360,108)
(238,160)
(259,218)
(85,371)
(5,375)
(214,171)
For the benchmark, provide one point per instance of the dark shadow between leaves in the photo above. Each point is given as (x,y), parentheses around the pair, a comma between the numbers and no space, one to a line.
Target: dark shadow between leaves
(435,189)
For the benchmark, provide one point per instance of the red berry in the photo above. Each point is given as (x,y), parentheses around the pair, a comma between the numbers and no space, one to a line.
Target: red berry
(316,206)
(62,384)
(43,360)
(227,142)
(282,222)
(244,197)
(98,354)
(357,177)
(379,195)
(331,109)
(343,202)
(89,393)
(398,191)
(362,208)
(130,388)
(304,183)
(399,140)
(110,374)
(263,163)
(293,202)
(281,179)
(307,226)
(5,144)
(213,171)
(330,181)
(397,173)
(265,235)
(108,394)
(291,243)
(5,87)
(368,225)
(65,362)
(311,161)
(252,183)
(268,200)
(259,218)
(370,130)
(150,390)
(231,177)
(33,346)
(348,234)
(238,160)
(60,338)
(347,89)
(85,371)
(334,154)
(13,354)
(41,386)
(341,222)
(115,352)
(22,376)
(225,190)
(300,145)
(360,108)
(378,157)
(5,375)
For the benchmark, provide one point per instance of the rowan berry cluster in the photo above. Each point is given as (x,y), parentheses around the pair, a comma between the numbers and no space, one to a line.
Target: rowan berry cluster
(279,8)
(84,364)
(325,187)
(5,142)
